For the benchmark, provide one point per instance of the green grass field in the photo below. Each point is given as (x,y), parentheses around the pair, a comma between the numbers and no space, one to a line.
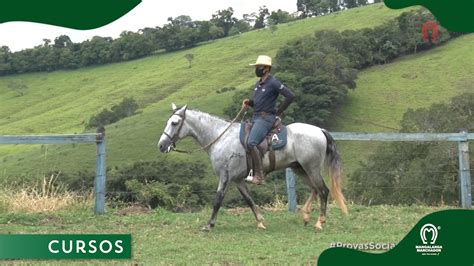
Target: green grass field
(161,237)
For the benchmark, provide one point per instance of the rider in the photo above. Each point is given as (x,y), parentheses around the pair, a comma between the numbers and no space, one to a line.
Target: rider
(263,102)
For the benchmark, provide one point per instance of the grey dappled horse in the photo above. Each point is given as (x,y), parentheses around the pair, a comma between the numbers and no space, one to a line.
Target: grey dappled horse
(305,153)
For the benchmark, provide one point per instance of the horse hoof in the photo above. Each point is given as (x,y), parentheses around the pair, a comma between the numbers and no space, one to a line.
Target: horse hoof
(318,226)
(206,228)
(306,218)
(261,226)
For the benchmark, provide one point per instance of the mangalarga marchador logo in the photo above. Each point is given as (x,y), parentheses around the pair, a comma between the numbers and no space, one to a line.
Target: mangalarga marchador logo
(75,14)
(429,246)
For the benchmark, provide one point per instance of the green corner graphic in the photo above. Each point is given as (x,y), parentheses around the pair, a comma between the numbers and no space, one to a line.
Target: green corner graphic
(440,238)
(75,14)
(454,15)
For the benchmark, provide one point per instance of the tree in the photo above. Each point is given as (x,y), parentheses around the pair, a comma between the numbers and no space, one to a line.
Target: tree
(224,19)
(354,3)
(216,32)
(46,42)
(240,26)
(334,5)
(350,3)
(310,8)
(131,45)
(190,58)
(96,51)
(279,17)
(319,73)
(304,6)
(5,60)
(250,18)
(62,41)
(260,20)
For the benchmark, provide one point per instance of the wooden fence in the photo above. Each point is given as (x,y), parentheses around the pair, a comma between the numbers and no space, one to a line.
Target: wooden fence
(98,138)
(462,139)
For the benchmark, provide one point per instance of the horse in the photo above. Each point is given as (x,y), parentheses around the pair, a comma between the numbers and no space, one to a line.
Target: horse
(305,154)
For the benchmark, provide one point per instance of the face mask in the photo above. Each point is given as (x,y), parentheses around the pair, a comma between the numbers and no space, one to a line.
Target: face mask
(259,71)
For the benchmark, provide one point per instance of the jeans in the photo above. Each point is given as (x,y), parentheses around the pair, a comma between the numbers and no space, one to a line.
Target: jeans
(262,124)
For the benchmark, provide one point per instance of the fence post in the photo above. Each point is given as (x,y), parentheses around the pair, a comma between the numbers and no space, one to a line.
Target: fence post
(291,188)
(100,172)
(464,174)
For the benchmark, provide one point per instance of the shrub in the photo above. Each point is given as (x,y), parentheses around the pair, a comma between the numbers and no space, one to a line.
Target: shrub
(126,108)
(173,185)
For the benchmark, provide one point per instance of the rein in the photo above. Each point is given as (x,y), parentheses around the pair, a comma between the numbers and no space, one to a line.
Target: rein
(214,141)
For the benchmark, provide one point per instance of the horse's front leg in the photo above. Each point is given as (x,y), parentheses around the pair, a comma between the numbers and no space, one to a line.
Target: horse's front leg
(242,186)
(221,191)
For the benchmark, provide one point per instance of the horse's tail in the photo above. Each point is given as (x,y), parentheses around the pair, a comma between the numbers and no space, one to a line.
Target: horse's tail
(335,171)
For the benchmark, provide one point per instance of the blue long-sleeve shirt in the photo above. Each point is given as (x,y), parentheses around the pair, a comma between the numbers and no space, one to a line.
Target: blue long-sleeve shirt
(266,93)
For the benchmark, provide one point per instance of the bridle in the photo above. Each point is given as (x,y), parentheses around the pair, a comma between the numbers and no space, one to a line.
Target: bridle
(176,135)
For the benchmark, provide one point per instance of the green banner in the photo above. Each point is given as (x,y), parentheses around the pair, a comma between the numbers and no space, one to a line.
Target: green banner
(454,15)
(112,246)
(75,14)
(440,238)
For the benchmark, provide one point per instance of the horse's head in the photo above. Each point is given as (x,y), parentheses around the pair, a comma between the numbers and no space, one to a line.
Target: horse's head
(174,129)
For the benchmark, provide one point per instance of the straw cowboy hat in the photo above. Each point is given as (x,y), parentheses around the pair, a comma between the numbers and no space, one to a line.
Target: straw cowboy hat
(263,60)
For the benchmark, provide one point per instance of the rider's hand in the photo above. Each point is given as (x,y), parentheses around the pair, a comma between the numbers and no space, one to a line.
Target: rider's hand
(246,103)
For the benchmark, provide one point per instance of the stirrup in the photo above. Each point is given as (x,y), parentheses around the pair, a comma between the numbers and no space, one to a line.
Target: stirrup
(254,180)
(249,176)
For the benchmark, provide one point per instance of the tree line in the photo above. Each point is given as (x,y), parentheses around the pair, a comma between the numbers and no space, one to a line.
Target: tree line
(178,33)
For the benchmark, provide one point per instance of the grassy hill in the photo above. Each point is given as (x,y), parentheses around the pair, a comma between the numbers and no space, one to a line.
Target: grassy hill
(385,92)
(63,101)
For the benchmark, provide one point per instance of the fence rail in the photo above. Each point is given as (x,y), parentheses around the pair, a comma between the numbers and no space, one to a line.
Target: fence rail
(50,139)
(98,138)
(462,138)
(456,137)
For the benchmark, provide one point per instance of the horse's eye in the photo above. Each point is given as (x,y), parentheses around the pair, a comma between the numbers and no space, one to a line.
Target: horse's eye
(174,123)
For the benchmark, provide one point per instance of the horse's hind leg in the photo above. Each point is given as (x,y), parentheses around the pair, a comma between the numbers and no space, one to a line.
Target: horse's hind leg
(245,194)
(316,182)
(323,198)
(306,210)
(307,207)
(323,192)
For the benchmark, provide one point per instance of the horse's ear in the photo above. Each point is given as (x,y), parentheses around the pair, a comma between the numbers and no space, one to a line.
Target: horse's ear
(184,107)
(173,106)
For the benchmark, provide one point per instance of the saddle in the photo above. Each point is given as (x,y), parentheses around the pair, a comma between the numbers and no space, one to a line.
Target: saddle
(276,139)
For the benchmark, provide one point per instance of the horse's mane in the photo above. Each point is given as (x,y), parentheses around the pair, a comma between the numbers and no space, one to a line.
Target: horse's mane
(209,116)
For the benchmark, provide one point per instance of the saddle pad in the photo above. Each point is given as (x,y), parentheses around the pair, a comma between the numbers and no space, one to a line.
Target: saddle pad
(279,140)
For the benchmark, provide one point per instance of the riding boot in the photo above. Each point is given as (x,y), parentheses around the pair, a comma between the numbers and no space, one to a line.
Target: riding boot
(257,178)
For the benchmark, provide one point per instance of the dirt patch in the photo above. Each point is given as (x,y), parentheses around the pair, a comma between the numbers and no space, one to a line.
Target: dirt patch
(131,210)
